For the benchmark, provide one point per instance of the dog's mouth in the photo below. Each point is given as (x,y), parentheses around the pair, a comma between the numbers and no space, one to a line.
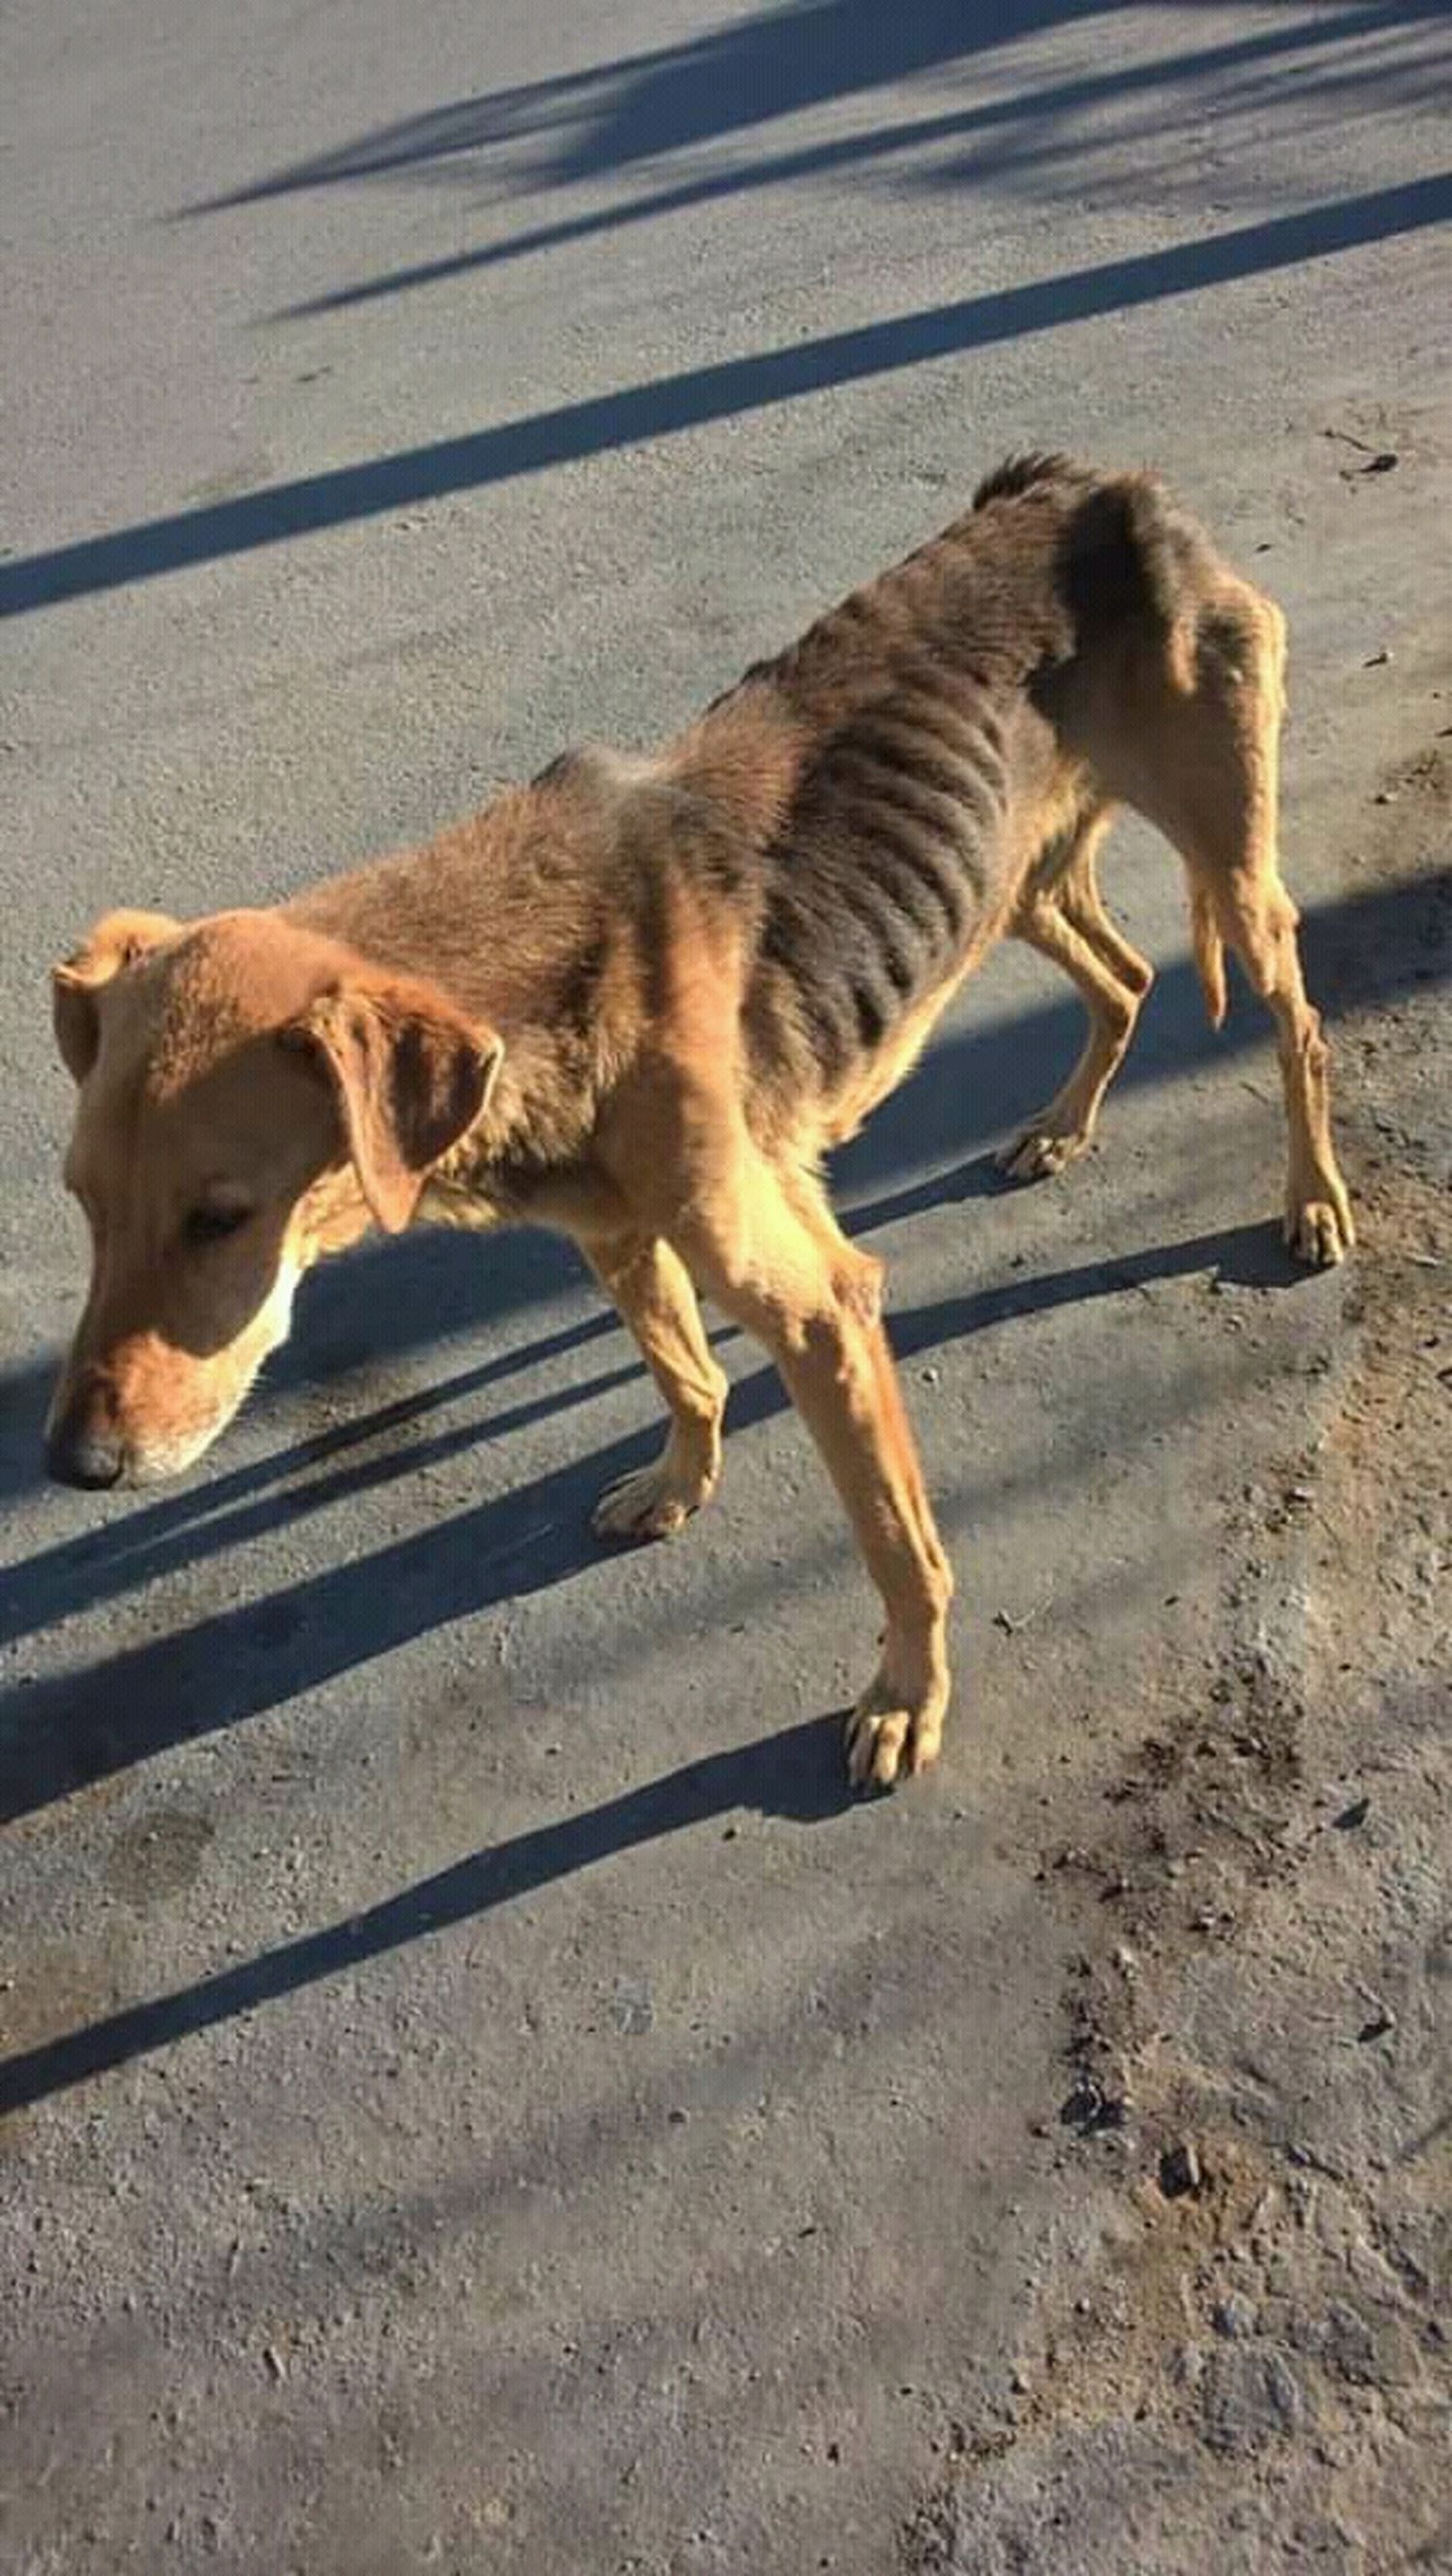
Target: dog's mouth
(94,1440)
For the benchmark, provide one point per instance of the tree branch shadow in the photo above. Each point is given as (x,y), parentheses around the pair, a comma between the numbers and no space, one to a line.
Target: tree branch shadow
(728,389)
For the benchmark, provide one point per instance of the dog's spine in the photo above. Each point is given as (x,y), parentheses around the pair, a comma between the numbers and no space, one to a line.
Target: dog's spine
(1020,474)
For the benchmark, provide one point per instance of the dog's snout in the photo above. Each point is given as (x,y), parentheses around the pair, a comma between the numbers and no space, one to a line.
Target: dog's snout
(83,1446)
(91,1459)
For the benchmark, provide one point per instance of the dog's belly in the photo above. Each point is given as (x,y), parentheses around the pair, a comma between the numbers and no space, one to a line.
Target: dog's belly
(871,1081)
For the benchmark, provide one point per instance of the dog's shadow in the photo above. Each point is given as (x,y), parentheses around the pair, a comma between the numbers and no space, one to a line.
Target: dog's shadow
(60,1733)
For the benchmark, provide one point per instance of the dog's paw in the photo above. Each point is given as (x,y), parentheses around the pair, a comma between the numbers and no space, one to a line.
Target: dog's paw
(1040,1152)
(651,1502)
(892,1734)
(1319,1230)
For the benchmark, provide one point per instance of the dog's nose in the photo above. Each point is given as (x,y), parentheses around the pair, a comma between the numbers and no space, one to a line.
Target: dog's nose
(83,1446)
(85,1455)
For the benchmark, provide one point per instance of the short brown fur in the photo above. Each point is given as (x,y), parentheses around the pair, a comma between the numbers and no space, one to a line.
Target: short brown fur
(641,998)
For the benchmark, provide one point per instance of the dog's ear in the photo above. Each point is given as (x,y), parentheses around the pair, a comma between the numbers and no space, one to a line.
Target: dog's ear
(409,1074)
(115,942)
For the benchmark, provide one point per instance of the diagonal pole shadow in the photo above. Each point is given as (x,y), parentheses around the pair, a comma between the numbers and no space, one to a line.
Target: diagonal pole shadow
(796,1774)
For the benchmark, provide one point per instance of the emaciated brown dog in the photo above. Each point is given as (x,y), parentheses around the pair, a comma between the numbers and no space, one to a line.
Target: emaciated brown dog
(640,998)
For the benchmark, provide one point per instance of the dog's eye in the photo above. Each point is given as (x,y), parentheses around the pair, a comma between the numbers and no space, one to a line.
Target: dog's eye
(213,1224)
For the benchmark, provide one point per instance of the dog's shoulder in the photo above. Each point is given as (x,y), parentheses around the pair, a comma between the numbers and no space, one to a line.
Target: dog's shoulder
(705,805)
(596,778)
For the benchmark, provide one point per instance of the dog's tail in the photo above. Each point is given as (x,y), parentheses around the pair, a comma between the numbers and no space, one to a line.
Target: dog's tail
(1209,950)
(1130,557)
(1129,561)
(1140,557)
(1126,554)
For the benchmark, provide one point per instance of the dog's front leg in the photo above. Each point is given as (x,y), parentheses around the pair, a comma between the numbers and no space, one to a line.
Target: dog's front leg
(650,1286)
(776,1262)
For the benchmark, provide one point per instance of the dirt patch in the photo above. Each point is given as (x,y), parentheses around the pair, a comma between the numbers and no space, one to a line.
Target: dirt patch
(160,1855)
(1253,2369)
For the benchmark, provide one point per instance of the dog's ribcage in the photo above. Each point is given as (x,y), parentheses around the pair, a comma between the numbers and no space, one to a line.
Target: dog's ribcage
(890,863)
(894,847)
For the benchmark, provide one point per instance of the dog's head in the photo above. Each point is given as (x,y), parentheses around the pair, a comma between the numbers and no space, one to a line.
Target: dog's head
(249,1095)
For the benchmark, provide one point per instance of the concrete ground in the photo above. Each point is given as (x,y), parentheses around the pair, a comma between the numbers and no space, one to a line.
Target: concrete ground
(476,2095)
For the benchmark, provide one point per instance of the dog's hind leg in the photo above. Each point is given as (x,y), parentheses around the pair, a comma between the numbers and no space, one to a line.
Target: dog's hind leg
(1061,915)
(652,1290)
(1259,922)
(1083,908)
(1212,786)
(765,1247)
